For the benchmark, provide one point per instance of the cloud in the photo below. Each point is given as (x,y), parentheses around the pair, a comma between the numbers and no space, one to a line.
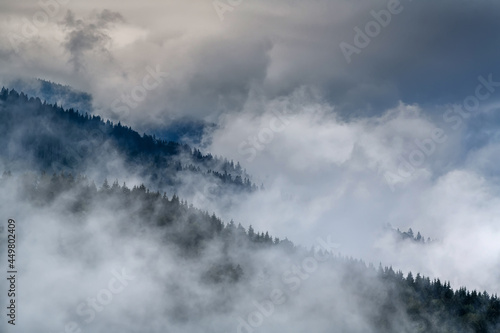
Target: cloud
(325,174)
(339,126)
(105,271)
(90,34)
(275,47)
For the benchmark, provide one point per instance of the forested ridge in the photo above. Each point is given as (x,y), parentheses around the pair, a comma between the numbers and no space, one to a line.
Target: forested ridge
(428,305)
(46,137)
(48,151)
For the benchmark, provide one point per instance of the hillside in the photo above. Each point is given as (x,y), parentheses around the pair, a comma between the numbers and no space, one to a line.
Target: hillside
(45,137)
(201,268)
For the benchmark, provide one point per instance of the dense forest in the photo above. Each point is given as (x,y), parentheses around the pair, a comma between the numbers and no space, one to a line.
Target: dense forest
(54,93)
(408,235)
(45,137)
(49,153)
(387,298)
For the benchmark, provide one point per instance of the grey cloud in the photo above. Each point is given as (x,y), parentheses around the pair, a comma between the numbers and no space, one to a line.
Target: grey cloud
(87,35)
(430,53)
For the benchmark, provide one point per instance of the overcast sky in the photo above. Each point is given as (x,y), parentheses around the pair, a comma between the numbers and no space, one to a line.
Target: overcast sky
(427,52)
(352,113)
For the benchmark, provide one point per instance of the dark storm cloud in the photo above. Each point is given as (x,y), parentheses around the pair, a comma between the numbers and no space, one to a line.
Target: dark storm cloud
(269,55)
(434,51)
(87,35)
(228,71)
(429,53)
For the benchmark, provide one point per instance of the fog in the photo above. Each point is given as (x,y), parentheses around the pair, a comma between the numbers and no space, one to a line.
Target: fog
(349,178)
(101,271)
(402,131)
(214,66)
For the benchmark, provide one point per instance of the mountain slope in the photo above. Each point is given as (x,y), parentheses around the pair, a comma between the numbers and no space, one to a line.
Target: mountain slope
(36,135)
(192,270)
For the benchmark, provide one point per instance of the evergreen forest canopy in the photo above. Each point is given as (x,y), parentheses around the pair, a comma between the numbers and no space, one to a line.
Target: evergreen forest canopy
(386,299)
(41,136)
(219,267)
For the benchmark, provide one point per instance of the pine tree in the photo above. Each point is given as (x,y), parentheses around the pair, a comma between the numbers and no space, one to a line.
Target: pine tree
(251,233)
(105,185)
